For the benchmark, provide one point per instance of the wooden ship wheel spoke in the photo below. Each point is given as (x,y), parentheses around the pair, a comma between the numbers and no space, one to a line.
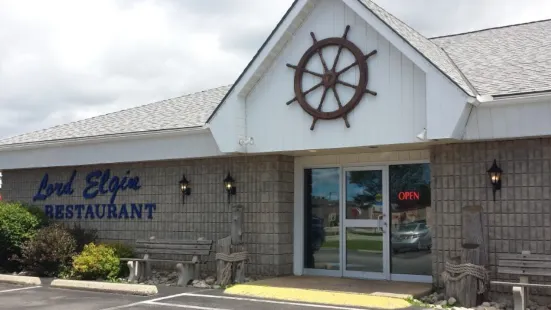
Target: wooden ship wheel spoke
(330,78)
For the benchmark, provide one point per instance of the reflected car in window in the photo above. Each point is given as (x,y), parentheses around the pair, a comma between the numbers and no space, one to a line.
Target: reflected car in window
(411,236)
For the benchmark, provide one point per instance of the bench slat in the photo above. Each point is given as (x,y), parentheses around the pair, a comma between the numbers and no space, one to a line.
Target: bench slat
(531,257)
(522,263)
(168,241)
(183,247)
(524,271)
(172,251)
(520,284)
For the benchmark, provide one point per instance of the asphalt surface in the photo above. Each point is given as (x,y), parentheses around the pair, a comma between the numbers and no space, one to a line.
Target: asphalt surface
(44,297)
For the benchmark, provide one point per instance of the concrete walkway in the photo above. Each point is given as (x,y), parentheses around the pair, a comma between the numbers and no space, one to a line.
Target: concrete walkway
(337,291)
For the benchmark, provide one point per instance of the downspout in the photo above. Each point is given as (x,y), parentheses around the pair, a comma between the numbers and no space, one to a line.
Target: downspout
(472,101)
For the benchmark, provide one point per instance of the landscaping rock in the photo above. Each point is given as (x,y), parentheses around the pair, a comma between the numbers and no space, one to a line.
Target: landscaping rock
(451,301)
(210,280)
(486,304)
(200,284)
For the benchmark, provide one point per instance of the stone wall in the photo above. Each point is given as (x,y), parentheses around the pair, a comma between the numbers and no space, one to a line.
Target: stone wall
(519,219)
(264,187)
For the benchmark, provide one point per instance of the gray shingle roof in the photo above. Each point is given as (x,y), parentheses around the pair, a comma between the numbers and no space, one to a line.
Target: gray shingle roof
(505,60)
(187,111)
(499,61)
(424,46)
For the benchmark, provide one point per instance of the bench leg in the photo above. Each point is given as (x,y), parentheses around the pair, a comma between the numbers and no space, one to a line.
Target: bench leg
(133,267)
(519,299)
(185,273)
(147,269)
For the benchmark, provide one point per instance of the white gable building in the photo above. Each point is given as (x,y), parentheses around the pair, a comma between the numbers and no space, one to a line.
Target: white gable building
(354,143)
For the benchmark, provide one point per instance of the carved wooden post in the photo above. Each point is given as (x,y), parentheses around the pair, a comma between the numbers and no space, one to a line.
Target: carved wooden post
(222,246)
(473,231)
(469,284)
(461,281)
(237,241)
(237,225)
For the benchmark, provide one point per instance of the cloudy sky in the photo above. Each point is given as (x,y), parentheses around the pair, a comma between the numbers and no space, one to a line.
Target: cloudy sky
(64,60)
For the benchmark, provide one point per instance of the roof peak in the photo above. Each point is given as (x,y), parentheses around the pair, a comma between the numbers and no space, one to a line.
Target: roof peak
(490,28)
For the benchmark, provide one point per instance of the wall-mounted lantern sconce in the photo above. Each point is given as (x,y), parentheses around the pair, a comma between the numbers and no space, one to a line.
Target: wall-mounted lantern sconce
(495,177)
(229,183)
(184,188)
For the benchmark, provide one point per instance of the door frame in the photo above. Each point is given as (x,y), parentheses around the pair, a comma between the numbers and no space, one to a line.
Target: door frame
(341,162)
(345,223)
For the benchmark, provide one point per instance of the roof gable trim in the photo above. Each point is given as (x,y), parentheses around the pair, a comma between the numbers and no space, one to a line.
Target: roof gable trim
(420,59)
(264,51)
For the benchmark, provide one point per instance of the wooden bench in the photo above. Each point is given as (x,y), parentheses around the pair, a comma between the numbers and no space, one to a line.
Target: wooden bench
(140,268)
(523,265)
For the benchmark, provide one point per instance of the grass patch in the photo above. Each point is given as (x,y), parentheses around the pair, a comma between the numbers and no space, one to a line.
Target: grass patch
(371,245)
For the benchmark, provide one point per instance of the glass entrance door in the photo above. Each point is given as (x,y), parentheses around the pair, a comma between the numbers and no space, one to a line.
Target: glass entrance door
(365,232)
(370,222)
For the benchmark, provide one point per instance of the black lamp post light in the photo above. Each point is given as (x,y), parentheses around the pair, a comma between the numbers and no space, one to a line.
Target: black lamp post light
(495,177)
(229,184)
(184,188)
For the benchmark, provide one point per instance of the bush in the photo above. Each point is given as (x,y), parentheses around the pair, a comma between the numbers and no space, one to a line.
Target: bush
(122,250)
(83,236)
(17,225)
(96,262)
(49,251)
(43,219)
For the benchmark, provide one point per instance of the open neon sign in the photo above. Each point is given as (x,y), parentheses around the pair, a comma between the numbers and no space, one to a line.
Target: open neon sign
(409,195)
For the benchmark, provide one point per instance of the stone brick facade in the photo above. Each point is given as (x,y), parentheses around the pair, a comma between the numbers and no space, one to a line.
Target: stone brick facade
(264,187)
(519,219)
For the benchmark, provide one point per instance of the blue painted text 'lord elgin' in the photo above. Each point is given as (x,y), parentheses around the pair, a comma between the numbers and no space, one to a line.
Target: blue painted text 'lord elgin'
(98,182)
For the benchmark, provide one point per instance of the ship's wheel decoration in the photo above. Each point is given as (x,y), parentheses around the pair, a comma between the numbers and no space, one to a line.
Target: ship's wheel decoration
(330,78)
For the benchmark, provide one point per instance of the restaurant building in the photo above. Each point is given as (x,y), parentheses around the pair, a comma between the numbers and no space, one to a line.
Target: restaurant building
(351,140)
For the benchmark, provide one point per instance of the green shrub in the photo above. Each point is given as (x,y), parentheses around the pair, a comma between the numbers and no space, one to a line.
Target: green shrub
(49,251)
(96,262)
(122,250)
(17,225)
(83,236)
(43,219)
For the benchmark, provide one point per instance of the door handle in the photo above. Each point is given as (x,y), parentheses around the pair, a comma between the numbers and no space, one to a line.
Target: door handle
(379,223)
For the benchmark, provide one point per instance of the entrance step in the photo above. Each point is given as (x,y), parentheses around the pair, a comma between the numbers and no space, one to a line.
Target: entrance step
(334,291)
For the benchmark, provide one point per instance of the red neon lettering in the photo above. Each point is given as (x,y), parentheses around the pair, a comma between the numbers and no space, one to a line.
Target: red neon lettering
(408,196)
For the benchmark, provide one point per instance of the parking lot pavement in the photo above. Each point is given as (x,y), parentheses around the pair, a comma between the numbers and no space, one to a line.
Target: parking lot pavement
(32,297)
(38,297)
(216,300)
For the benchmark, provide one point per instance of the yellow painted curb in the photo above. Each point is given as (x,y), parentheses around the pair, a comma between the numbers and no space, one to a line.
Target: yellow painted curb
(317,296)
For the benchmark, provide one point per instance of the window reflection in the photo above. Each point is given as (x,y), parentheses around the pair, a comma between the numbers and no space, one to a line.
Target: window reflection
(364,194)
(410,204)
(321,219)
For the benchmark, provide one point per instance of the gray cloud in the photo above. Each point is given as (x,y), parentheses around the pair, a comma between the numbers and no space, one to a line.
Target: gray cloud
(63,60)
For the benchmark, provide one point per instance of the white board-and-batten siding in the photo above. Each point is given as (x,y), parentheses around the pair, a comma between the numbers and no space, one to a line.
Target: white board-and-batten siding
(396,115)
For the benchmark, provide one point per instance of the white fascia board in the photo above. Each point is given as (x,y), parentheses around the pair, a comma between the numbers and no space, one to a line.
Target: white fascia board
(103,138)
(228,124)
(520,99)
(389,34)
(148,148)
(272,48)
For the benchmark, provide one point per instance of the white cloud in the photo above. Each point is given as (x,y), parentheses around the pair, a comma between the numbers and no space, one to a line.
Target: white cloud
(63,60)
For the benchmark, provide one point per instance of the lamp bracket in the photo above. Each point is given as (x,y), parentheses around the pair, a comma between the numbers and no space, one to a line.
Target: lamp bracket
(246,141)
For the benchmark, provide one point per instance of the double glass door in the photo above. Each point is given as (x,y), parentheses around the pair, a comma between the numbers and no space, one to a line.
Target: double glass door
(368,222)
